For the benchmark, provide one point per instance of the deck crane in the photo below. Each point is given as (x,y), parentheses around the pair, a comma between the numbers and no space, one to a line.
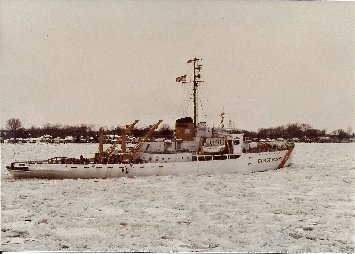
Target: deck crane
(103,155)
(128,157)
(125,132)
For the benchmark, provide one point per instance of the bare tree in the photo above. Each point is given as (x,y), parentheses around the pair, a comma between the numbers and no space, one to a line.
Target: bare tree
(13,125)
(305,126)
(349,131)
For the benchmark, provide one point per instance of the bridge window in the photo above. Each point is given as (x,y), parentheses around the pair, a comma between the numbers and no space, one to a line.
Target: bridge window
(234,156)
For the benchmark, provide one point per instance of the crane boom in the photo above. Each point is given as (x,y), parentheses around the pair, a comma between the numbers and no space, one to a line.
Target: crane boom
(135,149)
(126,131)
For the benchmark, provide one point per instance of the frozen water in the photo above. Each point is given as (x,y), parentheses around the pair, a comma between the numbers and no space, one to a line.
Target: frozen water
(307,207)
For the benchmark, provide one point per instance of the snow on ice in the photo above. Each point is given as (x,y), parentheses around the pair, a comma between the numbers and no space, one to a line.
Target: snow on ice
(307,207)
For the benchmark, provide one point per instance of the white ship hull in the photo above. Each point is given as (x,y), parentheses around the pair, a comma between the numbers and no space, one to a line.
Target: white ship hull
(246,163)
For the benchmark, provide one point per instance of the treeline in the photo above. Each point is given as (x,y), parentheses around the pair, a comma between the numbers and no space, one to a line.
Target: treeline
(294,130)
(14,129)
(302,132)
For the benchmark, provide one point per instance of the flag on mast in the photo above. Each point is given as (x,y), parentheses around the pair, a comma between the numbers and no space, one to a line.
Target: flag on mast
(181,78)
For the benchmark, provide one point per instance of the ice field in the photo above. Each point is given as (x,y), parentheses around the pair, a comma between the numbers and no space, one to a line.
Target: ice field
(308,207)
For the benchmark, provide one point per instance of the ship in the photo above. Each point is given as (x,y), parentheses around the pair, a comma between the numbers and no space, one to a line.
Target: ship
(196,149)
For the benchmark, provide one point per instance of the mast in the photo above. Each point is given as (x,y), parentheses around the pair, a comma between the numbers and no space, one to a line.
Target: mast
(101,141)
(196,80)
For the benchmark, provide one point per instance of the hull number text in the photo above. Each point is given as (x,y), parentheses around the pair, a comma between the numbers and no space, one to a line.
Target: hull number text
(269,159)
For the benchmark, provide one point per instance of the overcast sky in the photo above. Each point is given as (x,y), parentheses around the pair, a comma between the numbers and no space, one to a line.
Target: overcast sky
(110,62)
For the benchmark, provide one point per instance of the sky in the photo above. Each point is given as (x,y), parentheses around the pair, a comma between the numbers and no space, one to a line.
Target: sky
(108,63)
